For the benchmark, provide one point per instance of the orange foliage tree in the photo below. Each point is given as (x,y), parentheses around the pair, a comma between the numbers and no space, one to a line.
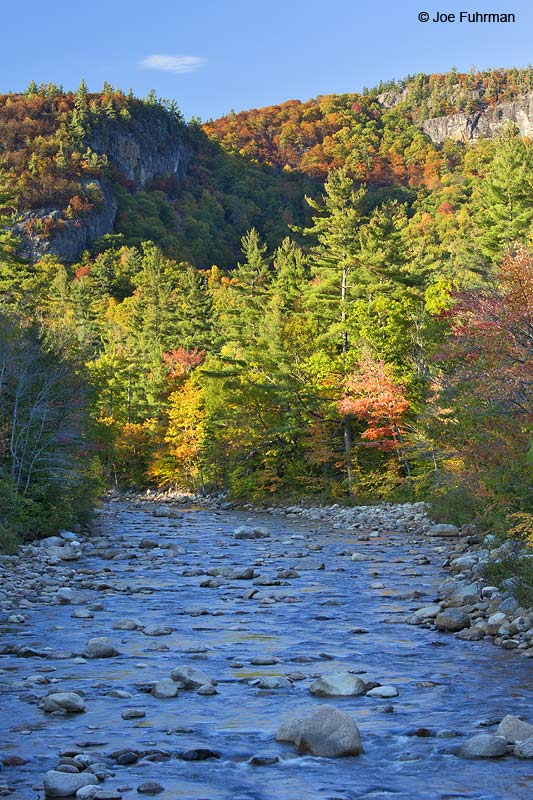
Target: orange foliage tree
(372,395)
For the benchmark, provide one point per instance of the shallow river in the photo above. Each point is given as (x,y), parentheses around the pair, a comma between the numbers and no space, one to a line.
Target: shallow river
(445,685)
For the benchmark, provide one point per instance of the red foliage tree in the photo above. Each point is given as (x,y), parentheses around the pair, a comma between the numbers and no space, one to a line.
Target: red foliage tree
(180,362)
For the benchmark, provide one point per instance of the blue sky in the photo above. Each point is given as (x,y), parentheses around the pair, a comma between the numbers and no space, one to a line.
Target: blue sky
(214,56)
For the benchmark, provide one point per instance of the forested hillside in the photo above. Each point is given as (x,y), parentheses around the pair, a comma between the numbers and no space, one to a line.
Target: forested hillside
(306,299)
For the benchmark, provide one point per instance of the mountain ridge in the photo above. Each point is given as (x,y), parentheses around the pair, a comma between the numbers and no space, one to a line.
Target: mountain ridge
(122,170)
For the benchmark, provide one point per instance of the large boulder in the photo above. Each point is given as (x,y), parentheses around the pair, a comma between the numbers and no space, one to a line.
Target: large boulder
(338,684)
(329,733)
(62,702)
(514,730)
(100,647)
(452,619)
(66,784)
(484,745)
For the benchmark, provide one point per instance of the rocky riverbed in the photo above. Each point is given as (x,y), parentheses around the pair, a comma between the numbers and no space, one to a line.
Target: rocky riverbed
(182,651)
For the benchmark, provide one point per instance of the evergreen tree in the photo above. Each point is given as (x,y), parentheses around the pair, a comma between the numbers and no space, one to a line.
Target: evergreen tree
(336,258)
(290,273)
(503,200)
(196,311)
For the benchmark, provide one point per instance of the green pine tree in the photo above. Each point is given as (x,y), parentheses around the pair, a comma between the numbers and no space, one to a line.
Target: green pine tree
(503,200)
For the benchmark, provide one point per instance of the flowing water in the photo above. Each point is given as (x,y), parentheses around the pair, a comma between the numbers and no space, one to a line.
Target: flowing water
(445,685)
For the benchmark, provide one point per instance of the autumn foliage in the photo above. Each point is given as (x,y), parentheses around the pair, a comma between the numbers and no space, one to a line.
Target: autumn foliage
(374,397)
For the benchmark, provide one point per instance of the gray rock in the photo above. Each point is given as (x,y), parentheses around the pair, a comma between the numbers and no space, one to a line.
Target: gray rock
(427,612)
(84,760)
(508,606)
(514,730)
(329,733)
(465,594)
(249,532)
(444,530)
(309,564)
(148,544)
(383,691)
(271,682)
(133,713)
(471,634)
(289,729)
(165,689)
(484,745)
(243,574)
(452,619)
(466,127)
(158,630)
(69,536)
(190,678)
(100,647)
(489,591)
(72,238)
(128,625)
(338,684)
(464,562)
(207,690)
(63,702)
(87,792)
(64,784)
(494,623)
(150,787)
(17,619)
(524,749)
(82,613)
(360,557)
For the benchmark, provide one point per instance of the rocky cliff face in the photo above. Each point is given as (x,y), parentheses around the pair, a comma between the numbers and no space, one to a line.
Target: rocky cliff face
(139,150)
(464,127)
(69,237)
(143,148)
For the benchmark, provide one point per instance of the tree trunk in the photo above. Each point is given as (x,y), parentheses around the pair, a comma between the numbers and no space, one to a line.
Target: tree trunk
(344,286)
(347,430)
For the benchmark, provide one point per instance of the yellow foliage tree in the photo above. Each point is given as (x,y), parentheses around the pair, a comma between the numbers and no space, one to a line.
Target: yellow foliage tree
(179,462)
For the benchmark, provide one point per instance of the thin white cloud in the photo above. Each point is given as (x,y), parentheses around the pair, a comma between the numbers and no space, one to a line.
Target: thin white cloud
(177,64)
